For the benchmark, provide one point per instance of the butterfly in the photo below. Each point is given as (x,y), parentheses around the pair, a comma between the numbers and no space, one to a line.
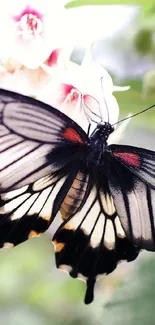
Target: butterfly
(105,194)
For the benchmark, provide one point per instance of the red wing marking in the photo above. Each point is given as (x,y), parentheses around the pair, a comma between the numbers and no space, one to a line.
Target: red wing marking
(72,135)
(131,159)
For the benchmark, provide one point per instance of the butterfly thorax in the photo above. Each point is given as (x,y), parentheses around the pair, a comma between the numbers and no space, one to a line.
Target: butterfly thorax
(98,143)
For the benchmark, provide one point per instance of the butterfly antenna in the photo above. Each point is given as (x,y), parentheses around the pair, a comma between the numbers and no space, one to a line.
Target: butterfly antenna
(89,119)
(87,116)
(104,102)
(138,113)
(83,105)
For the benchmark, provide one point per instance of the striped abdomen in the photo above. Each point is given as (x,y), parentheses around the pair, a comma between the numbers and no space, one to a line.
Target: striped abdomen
(74,196)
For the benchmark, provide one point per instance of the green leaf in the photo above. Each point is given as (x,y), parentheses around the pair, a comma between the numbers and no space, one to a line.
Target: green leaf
(79,3)
(134,302)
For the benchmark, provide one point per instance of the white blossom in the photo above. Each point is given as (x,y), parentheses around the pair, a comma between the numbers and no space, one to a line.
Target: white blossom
(83,92)
(30,30)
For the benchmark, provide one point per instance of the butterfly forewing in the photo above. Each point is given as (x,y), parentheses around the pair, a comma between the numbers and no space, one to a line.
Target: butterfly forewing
(141,162)
(30,131)
(132,187)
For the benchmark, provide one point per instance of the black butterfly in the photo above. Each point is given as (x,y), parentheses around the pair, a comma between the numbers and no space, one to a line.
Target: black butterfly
(105,194)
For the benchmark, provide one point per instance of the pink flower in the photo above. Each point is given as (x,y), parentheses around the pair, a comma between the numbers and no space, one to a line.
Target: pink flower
(31,31)
(53,58)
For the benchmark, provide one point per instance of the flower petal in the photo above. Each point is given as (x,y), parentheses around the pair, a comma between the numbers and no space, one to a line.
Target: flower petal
(121,88)
(32,31)
(30,53)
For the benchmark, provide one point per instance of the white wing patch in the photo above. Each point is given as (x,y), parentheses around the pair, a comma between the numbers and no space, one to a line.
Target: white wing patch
(109,236)
(119,229)
(21,202)
(25,213)
(20,161)
(98,221)
(136,209)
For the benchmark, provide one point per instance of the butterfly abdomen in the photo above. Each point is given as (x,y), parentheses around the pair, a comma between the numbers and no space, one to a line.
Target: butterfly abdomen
(74,196)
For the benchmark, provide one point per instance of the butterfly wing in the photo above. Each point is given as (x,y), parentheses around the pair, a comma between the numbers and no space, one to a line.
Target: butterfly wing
(91,240)
(39,150)
(132,184)
(139,161)
(43,172)
(33,137)
(115,219)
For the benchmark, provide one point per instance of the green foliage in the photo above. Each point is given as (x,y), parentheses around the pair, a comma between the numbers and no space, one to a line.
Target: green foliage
(133,101)
(32,291)
(79,3)
(149,84)
(143,41)
(134,302)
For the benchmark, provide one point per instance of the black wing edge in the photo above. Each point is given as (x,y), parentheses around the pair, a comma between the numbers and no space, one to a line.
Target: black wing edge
(139,161)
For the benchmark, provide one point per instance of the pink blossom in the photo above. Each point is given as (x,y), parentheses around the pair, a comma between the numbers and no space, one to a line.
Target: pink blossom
(52,60)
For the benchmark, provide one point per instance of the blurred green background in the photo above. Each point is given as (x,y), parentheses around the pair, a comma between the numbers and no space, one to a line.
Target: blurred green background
(32,291)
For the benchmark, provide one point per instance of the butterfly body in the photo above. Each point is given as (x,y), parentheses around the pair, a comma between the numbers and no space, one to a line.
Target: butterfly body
(98,145)
(105,194)
(91,163)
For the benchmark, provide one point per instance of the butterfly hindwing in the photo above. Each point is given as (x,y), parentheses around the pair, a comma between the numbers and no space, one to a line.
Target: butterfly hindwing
(28,211)
(91,240)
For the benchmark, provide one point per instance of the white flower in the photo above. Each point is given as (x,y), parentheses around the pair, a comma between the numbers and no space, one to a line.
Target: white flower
(16,77)
(30,30)
(83,93)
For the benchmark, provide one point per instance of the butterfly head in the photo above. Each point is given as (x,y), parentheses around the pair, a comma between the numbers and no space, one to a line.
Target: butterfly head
(102,131)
